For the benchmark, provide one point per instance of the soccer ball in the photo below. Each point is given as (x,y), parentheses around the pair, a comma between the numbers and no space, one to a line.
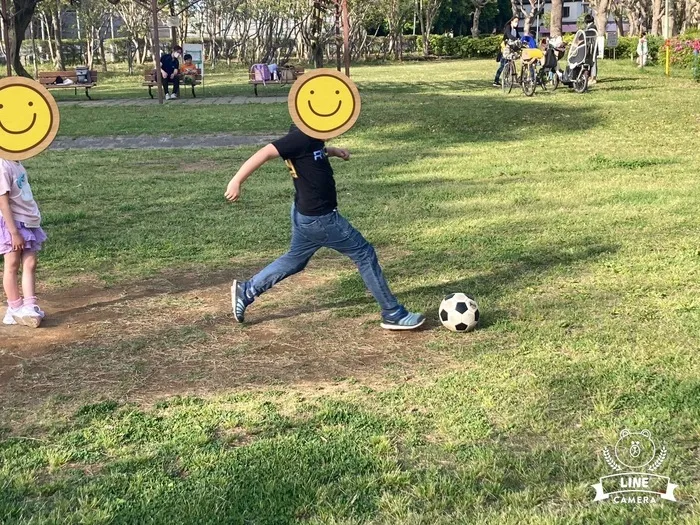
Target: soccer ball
(459,313)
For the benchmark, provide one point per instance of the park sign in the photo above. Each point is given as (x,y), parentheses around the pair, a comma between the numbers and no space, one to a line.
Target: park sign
(612,39)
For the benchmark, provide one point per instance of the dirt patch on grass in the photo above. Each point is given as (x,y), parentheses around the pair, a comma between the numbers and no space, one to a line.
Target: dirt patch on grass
(200,166)
(175,335)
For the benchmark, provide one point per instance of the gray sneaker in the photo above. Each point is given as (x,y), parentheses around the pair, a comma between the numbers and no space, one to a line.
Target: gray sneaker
(410,321)
(238,301)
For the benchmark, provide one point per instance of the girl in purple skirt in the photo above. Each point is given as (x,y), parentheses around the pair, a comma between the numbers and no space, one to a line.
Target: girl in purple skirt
(21,238)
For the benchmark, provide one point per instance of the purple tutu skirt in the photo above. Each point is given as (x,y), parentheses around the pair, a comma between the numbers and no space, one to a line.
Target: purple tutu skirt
(33,237)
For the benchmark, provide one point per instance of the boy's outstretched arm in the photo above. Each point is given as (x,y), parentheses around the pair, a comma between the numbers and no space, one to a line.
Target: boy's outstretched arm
(233,191)
(338,152)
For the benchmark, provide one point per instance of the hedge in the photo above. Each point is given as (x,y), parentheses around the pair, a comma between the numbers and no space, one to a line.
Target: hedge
(682,47)
(463,46)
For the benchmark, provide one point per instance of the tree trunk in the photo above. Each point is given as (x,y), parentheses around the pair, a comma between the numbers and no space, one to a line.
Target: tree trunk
(34,52)
(656,18)
(103,55)
(671,18)
(20,22)
(89,47)
(621,24)
(59,60)
(601,16)
(426,39)
(173,29)
(475,22)
(556,18)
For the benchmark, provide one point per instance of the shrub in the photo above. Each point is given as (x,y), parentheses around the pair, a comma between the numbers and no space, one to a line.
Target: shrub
(462,46)
(684,52)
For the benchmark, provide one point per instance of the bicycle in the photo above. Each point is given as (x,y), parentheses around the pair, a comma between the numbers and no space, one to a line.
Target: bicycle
(529,73)
(510,70)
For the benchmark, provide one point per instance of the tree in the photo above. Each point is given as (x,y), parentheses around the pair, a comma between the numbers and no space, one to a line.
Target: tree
(52,13)
(397,12)
(692,15)
(601,9)
(95,15)
(21,14)
(136,29)
(478,6)
(555,18)
(657,13)
(428,11)
(521,11)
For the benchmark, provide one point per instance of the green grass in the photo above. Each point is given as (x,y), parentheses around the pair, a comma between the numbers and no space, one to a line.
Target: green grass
(572,220)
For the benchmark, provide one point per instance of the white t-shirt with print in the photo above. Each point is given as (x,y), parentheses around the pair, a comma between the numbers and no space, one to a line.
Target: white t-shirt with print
(14,181)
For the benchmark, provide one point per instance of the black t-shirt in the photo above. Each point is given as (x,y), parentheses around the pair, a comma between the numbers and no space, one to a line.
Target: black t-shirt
(169,63)
(311,172)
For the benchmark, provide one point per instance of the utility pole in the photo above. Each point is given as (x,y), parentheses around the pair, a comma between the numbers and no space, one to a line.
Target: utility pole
(156,50)
(6,33)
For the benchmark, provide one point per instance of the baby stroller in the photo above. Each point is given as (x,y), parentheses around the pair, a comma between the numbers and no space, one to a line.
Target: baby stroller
(581,60)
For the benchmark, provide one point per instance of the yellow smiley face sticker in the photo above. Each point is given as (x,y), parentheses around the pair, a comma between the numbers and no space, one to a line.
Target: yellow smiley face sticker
(324,103)
(29,118)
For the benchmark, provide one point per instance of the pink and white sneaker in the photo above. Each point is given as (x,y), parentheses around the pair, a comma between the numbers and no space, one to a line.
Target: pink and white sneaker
(8,319)
(27,316)
(38,310)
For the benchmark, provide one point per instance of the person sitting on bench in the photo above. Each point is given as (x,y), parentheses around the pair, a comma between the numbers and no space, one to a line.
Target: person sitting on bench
(189,71)
(170,71)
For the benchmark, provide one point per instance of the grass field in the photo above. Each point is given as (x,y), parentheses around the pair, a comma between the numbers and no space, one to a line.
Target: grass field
(571,219)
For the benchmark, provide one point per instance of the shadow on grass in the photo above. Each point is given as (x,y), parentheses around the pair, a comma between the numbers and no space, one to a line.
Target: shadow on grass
(440,120)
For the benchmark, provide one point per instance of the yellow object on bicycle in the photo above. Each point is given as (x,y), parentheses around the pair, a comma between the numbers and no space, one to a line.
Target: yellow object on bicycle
(530,55)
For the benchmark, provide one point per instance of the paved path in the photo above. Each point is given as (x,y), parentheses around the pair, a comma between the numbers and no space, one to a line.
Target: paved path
(219,140)
(186,101)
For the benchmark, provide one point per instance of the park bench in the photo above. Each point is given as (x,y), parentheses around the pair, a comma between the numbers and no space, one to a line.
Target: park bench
(286,75)
(48,80)
(150,80)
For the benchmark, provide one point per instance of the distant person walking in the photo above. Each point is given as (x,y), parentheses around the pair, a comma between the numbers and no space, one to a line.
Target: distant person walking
(642,50)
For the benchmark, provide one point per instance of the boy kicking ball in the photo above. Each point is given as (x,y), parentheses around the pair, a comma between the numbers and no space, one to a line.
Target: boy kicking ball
(316,223)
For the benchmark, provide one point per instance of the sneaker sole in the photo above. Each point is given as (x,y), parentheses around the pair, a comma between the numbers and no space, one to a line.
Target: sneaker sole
(30,321)
(234,286)
(387,326)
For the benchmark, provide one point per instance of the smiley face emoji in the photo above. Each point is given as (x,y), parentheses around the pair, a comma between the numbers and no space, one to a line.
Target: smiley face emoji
(324,103)
(29,118)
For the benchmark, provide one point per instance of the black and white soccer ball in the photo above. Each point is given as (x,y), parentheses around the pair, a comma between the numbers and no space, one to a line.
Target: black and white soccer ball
(459,313)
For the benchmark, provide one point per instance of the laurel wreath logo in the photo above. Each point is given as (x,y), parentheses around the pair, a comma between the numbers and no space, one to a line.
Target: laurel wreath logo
(659,461)
(610,461)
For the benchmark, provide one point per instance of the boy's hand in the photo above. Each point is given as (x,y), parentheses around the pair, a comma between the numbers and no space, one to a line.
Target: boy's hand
(340,153)
(17,241)
(233,191)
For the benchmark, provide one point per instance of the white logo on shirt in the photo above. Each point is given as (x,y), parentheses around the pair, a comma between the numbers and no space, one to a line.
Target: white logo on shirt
(24,187)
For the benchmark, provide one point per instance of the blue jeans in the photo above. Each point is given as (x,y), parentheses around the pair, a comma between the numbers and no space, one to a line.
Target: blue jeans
(309,234)
(500,70)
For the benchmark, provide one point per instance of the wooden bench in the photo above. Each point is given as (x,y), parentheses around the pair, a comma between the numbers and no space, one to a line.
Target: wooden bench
(150,80)
(48,79)
(285,76)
